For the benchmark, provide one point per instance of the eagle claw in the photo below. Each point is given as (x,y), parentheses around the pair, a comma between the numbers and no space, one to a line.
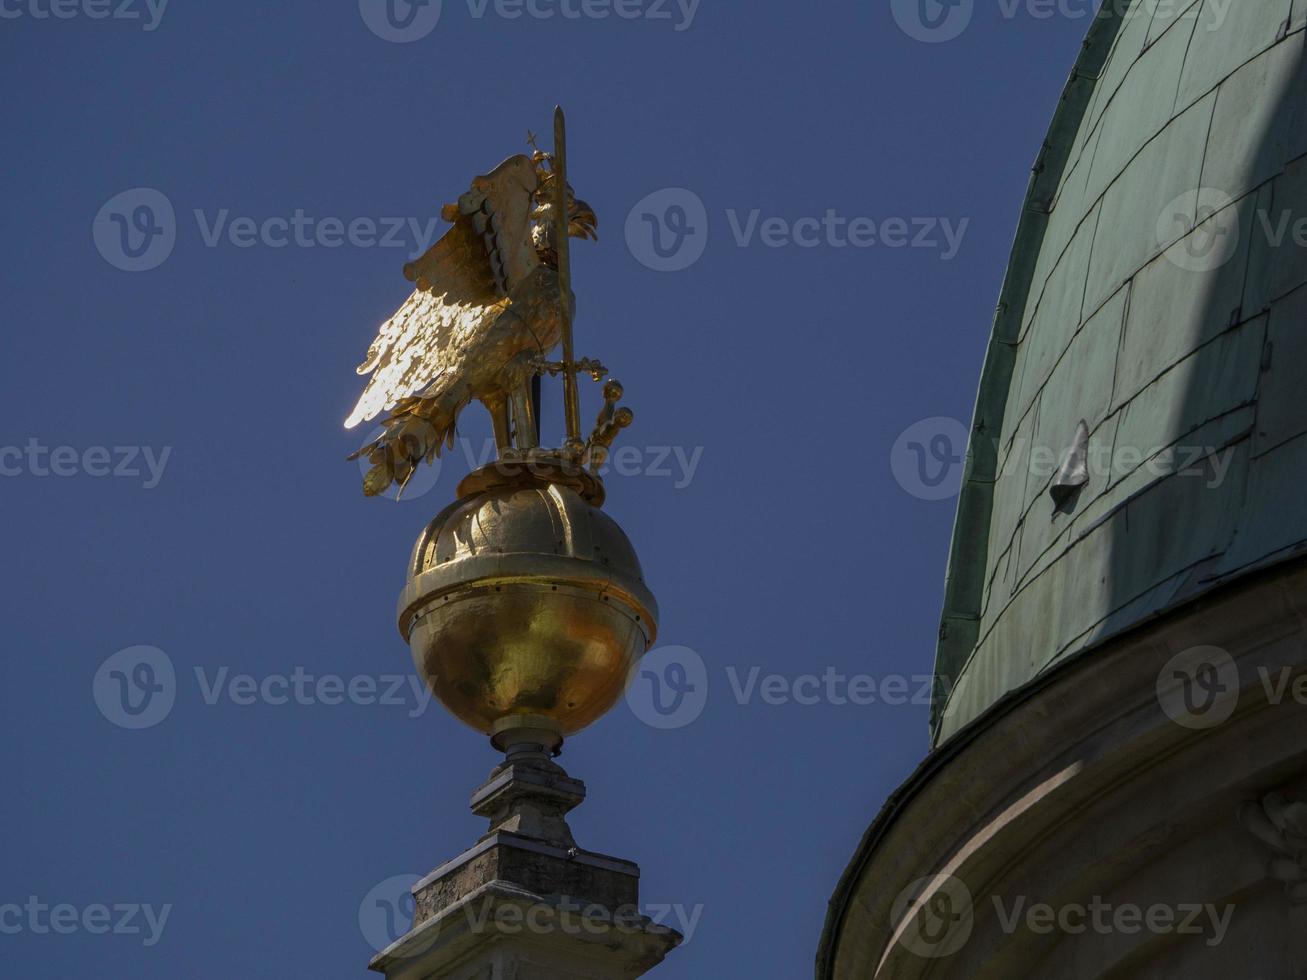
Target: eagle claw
(587,365)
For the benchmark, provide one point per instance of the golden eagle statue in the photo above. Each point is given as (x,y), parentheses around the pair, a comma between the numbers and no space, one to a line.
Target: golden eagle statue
(487,310)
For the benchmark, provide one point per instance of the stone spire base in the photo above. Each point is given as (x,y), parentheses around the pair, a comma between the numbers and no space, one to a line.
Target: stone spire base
(525,903)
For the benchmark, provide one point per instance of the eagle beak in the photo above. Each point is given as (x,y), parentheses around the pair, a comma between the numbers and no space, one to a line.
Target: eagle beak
(582,222)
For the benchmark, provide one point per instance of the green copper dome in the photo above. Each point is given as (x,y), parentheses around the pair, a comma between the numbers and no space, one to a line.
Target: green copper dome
(1140,434)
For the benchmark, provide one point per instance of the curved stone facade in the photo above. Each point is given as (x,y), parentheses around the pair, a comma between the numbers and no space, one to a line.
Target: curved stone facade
(1157,294)
(1103,825)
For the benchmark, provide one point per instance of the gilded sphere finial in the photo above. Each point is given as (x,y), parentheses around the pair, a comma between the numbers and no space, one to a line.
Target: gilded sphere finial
(525,606)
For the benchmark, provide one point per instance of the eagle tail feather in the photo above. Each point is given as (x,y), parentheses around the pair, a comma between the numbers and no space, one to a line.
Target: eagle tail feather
(416,431)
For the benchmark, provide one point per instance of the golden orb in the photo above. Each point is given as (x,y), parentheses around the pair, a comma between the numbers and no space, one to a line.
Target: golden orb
(525,606)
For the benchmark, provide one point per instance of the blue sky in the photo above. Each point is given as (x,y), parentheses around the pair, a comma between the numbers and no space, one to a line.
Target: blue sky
(834,200)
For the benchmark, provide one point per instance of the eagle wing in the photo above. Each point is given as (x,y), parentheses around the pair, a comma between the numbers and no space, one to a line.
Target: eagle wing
(463,284)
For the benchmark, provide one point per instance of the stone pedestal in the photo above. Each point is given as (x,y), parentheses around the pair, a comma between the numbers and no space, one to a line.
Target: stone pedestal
(525,903)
